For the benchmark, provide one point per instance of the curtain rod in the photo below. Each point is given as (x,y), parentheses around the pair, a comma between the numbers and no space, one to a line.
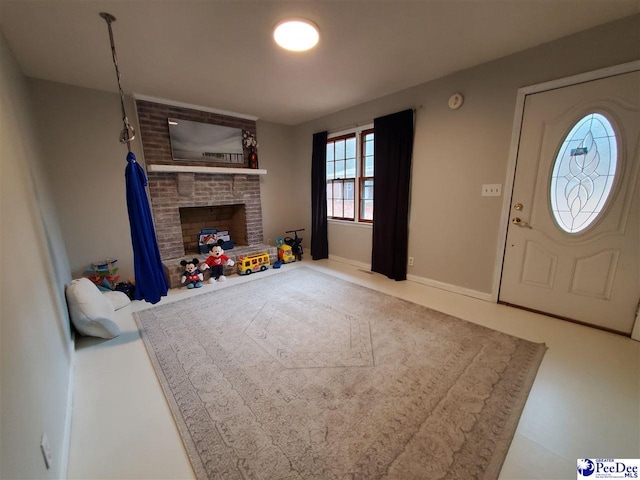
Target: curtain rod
(361,123)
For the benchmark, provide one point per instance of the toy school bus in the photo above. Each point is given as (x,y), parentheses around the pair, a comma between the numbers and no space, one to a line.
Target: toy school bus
(285,254)
(257,262)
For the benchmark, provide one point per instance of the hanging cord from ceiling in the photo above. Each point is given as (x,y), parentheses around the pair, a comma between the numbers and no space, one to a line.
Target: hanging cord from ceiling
(128,132)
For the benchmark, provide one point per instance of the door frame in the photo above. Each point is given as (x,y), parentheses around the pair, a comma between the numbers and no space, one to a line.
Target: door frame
(513,155)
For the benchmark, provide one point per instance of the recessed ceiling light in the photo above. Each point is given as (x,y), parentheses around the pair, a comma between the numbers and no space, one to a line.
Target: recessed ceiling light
(297,34)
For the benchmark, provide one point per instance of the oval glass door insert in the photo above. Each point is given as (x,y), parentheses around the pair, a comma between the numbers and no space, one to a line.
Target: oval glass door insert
(583,173)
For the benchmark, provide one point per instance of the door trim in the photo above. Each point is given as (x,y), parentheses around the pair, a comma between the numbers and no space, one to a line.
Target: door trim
(513,154)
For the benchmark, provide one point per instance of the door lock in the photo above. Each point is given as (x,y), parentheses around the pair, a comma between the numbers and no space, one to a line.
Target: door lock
(518,206)
(519,222)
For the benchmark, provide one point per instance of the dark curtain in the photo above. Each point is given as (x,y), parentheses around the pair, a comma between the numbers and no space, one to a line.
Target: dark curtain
(151,283)
(393,146)
(319,240)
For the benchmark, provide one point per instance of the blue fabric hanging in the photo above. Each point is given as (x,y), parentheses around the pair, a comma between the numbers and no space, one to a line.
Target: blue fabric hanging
(151,283)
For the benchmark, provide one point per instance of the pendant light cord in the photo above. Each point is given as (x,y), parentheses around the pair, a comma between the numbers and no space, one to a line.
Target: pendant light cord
(128,132)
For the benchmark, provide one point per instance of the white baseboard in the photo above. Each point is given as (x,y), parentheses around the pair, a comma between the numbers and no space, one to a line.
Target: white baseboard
(66,440)
(348,261)
(452,288)
(425,281)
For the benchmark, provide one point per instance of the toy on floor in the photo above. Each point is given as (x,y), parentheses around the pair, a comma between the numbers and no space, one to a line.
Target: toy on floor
(285,254)
(295,243)
(258,262)
(192,276)
(103,274)
(216,261)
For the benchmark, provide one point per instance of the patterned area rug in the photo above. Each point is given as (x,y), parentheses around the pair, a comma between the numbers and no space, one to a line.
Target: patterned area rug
(301,375)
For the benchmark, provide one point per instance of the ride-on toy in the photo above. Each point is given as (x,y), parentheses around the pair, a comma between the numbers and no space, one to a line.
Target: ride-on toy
(295,243)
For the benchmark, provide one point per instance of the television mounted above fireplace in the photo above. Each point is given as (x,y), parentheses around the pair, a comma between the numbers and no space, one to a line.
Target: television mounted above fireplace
(205,142)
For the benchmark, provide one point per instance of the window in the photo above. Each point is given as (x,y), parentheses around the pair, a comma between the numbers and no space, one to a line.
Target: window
(350,176)
(366,176)
(583,173)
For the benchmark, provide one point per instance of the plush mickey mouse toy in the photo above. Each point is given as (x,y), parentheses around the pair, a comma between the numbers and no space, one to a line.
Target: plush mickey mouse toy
(191,273)
(217,261)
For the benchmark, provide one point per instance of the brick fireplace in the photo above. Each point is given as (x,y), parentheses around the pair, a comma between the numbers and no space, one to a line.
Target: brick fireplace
(172,192)
(183,202)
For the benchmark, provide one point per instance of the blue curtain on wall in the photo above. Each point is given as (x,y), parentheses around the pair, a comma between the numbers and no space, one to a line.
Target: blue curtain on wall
(393,147)
(151,283)
(319,236)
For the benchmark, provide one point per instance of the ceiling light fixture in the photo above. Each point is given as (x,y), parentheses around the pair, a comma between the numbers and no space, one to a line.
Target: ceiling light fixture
(297,34)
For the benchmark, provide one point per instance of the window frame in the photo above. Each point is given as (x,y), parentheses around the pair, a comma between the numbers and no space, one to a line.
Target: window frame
(362,178)
(343,180)
(358,133)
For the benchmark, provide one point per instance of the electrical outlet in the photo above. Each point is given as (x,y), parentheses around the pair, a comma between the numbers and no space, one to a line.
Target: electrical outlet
(411,261)
(493,190)
(46,451)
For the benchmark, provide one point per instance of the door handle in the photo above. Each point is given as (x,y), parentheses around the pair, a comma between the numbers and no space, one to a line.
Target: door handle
(519,222)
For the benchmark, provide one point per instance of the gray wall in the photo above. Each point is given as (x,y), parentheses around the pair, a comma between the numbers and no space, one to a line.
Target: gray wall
(278,189)
(453,231)
(36,349)
(85,165)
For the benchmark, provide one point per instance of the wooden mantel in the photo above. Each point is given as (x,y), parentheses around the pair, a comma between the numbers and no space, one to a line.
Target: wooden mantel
(200,169)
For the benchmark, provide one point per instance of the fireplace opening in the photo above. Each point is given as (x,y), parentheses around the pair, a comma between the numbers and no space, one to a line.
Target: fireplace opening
(231,218)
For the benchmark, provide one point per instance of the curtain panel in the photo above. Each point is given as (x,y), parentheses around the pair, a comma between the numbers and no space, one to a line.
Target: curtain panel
(393,146)
(319,236)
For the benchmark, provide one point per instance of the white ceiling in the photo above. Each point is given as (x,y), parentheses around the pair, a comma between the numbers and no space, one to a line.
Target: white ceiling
(220,54)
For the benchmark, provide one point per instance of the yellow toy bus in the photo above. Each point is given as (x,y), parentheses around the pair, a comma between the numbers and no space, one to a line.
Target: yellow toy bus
(258,262)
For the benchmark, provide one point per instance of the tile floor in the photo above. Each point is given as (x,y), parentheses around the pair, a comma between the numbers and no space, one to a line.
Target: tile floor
(585,402)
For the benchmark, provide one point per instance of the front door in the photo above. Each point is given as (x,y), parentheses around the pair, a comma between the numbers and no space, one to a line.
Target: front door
(573,240)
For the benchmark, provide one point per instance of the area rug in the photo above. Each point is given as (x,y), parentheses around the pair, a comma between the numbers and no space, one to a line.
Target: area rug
(301,375)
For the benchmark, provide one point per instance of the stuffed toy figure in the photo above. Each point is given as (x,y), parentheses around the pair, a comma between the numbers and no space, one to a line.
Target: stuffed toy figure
(191,274)
(216,262)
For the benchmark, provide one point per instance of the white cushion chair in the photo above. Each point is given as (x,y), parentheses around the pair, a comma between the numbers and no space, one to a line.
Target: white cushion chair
(91,312)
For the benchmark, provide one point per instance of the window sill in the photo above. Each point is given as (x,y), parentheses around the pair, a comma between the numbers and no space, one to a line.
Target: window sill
(351,224)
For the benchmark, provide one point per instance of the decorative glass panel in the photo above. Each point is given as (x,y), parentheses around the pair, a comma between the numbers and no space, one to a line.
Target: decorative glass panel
(583,173)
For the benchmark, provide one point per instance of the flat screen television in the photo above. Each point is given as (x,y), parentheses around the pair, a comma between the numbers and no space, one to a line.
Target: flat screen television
(205,142)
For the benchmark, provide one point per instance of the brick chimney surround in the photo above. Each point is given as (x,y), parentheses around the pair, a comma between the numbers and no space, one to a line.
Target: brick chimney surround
(172,191)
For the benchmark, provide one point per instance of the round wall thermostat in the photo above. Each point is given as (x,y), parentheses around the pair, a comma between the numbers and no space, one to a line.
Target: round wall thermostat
(455,101)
